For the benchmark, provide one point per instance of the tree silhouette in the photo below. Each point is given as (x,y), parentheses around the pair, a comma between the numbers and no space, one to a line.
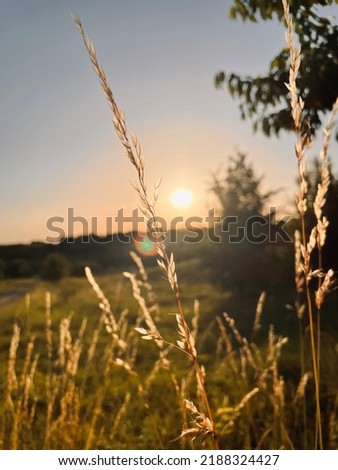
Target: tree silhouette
(239,190)
(246,256)
(264,99)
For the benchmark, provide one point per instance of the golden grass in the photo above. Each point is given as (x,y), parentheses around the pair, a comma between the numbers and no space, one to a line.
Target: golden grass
(316,239)
(254,404)
(165,261)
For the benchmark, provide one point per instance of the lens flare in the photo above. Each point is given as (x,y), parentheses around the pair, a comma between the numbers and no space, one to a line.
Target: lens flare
(144,245)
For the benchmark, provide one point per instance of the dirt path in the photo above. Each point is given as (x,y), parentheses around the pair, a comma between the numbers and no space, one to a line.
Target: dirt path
(15,293)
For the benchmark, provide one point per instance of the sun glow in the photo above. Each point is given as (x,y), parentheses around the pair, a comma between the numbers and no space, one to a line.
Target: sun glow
(181,198)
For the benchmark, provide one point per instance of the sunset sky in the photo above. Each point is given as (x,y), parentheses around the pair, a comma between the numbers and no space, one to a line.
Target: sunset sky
(58,148)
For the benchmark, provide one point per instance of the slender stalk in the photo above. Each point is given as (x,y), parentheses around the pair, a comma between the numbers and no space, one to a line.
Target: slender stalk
(302,144)
(134,153)
(318,327)
(318,431)
(192,353)
(322,223)
(302,366)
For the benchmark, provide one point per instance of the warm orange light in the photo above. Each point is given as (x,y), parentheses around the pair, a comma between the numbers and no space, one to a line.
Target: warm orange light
(182,198)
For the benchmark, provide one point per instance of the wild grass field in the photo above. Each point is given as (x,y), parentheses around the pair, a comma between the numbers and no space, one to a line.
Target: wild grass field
(68,383)
(148,359)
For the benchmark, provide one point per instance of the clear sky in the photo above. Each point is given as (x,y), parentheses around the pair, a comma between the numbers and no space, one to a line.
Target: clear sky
(58,149)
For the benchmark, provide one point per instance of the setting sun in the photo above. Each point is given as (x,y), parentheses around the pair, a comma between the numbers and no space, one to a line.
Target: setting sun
(181,198)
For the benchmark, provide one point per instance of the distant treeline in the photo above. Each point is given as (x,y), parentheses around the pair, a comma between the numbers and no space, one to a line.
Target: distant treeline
(71,255)
(258,258)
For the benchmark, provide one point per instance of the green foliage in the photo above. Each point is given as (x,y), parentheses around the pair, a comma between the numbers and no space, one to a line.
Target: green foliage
(266,9)
(264,99)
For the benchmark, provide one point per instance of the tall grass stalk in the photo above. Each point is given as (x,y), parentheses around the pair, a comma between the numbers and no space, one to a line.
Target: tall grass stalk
(318,233)
(166,262)
(321,221)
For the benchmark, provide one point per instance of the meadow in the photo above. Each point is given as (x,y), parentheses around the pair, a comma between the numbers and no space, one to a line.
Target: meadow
(70,382)
(148,359)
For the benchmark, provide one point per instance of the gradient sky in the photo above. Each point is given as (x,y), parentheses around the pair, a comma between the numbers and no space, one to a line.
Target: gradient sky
(58,149)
